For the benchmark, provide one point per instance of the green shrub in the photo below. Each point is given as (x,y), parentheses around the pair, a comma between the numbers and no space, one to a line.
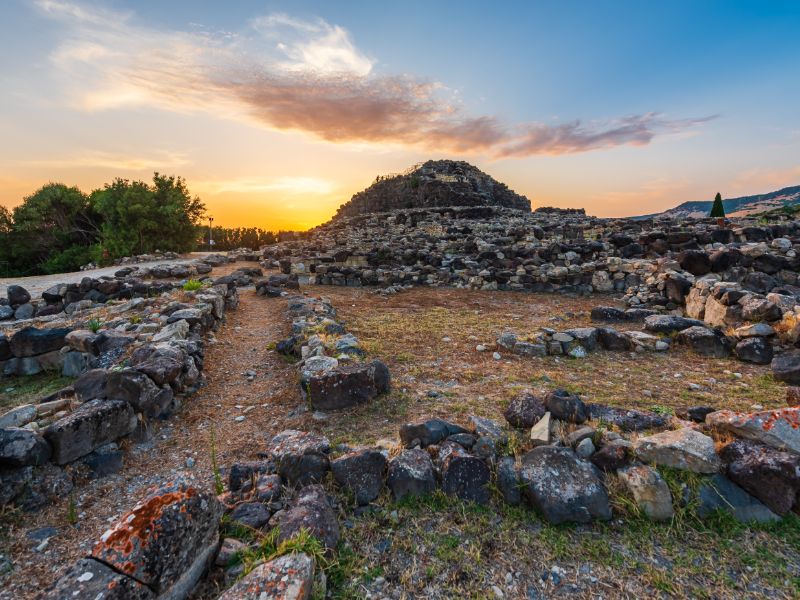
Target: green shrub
(192,285)
(94,325)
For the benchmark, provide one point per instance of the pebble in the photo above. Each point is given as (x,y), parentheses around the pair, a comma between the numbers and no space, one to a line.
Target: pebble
(496,356)
(446,339)
(239,419)
(190,462)
(480,348)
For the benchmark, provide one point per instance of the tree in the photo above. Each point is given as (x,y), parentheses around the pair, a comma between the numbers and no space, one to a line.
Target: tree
(717,210)
(139,218)
(43,231)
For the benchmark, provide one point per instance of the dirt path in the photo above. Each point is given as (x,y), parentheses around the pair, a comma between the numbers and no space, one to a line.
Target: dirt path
(242,344)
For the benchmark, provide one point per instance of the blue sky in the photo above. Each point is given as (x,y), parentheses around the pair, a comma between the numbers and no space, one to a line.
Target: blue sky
(278,111)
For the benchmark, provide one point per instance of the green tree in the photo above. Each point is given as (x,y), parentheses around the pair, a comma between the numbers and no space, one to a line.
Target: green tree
(53,229)
(139,218)
(717,210)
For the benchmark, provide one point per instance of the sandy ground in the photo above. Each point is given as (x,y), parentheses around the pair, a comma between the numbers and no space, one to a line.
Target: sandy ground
(36,284)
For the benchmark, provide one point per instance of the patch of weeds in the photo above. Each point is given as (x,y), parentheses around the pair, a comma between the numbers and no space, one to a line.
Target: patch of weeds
(16,391)
(94,325)
(660,409)
(218,486)
(192,285)
(72,510)
(135,319)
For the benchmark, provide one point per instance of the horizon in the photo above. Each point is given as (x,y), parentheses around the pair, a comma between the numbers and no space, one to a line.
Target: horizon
(276,118)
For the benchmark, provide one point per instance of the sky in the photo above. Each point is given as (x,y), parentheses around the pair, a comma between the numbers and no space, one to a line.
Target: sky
(276,112)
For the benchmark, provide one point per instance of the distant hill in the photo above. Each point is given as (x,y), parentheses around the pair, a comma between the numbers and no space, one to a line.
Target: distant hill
(432,184)
(736,207)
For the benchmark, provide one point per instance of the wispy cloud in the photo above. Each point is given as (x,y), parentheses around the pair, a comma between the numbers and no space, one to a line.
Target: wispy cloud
(309,76)
(92,159)
(285,185)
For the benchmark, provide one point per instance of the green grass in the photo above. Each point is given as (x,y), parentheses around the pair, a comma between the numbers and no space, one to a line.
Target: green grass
(192,285)
(16,391)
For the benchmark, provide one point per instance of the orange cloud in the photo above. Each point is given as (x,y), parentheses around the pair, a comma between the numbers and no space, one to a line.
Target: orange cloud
(293,75)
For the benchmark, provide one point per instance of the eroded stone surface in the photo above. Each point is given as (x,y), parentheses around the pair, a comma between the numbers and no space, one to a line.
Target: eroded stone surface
(682,448)
(779,428)
(288,577)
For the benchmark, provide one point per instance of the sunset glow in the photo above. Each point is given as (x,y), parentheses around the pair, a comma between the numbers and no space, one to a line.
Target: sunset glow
(276,114)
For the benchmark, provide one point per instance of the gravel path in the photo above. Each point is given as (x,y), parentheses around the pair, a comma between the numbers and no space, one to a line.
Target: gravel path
(36,284)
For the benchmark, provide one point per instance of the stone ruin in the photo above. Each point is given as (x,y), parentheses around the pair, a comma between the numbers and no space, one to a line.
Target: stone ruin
(717,289)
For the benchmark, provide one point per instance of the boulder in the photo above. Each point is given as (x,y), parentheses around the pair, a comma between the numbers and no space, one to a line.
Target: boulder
(755,350)
(268,488)
(300,457)
(786,368)
(566,407)
(720,493)
(22,447)
(613,340)
(310,511)
(90,426)
(759,310)
(167,541)
(463,475)
(563,487)
(89,578)
(346,386)
(82,340)
(770,475)
(288,577)
(103,461)
(17,295)
(427,433)
(684,448)
(361,473)
(695,262)
(19,416)
(667,324)
(705,341)
(487,428)
(524,411)
(779,428)
(410,473)
(31,341)
(649,490)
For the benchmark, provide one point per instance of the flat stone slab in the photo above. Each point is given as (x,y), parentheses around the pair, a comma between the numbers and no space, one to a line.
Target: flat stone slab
(288,577)
(685,448)
(779,428)
(90,426)
(720,493)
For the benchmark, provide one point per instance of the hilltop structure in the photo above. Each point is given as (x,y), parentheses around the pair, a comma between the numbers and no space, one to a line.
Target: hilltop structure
(435,183)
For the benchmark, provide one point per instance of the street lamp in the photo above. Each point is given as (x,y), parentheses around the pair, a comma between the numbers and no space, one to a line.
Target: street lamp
(210,233)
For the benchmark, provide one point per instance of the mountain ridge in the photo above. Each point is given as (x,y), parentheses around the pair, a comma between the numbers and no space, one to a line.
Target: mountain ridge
(734,207)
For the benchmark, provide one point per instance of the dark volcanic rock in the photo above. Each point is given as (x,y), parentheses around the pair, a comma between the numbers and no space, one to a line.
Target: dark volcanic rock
(300,457)
(705,341)
(411,474)
(770,475)
(563,487)
(524,411)
(626,419)
(17,295)
(696,262)
(361,472)
(22,447)
(720,493)
(346,386)
(240,473)
(93,424)
(429,432)
(786,368)
(250,514)
(434,183)
(463,475)
(669,323)
(611,457)
(311,511)
(508,480)
(566,407)
(31,341)
(756,350)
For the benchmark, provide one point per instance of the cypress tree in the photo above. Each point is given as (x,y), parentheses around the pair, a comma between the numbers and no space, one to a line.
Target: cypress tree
(718,210)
